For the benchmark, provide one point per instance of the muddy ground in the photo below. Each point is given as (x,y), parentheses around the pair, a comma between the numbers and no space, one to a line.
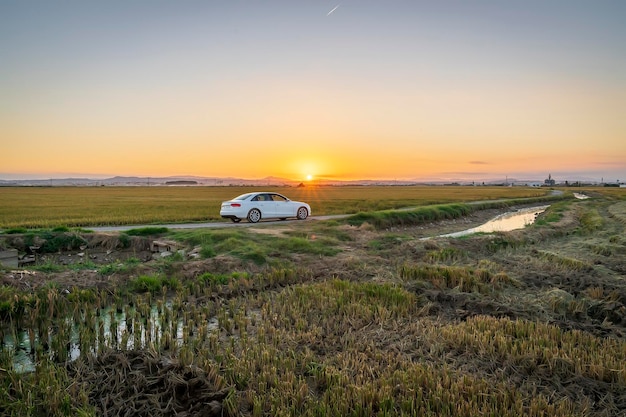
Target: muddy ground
(570,258)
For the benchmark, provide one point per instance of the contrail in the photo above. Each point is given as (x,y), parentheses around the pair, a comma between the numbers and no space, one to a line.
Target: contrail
(334,8)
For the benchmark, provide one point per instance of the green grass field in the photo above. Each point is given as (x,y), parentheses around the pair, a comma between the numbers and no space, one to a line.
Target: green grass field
(47,207)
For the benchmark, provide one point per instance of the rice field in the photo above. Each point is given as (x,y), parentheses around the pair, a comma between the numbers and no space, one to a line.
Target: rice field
(49,207)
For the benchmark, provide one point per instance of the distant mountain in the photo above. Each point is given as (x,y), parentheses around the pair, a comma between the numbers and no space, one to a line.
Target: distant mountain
(189,180)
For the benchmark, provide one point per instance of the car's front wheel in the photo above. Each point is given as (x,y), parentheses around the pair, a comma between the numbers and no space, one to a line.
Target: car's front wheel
(254,215)
(303,213)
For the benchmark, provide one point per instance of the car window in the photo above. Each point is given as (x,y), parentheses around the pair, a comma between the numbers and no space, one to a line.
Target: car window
(243,197)
(278,197)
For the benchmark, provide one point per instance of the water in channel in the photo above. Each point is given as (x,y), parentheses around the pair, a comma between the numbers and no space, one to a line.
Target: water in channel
(504,222)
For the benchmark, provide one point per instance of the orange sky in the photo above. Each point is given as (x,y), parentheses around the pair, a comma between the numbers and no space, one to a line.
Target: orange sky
(367,92)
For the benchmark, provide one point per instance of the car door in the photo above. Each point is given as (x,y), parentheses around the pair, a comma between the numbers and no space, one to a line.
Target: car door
(282,206)
(265,203)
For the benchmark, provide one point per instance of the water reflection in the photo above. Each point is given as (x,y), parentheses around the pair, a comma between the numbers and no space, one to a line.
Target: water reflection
(504,222)
(112,328)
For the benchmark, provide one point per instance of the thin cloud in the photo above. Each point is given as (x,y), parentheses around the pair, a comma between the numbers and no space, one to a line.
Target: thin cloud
(479,163)
(464,173)
(611,163)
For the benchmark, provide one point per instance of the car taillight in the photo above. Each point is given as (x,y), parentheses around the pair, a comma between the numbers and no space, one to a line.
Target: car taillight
(235,205)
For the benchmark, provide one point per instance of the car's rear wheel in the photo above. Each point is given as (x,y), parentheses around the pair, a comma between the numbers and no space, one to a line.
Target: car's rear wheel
(254,215)
(235,219)
(303,213)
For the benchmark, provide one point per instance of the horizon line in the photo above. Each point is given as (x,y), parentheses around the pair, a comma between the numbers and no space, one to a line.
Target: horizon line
(317,179)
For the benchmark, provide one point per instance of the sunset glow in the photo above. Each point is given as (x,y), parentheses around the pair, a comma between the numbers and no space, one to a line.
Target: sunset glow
(413,90)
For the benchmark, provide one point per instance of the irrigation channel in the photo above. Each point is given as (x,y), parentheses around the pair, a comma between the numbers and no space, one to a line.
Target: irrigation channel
(504,222)
(166,322)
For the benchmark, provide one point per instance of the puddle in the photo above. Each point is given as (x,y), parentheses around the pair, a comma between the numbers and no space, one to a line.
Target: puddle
(581,196)
(111,329)
(504,222)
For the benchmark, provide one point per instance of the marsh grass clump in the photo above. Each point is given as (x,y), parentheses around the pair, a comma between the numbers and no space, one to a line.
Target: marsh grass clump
(504,240)
(237,243)
(313,246)
(558,300)
(603,250)
(420,215)
(552,214)
(15,231)
(590,220)
(386,241)
(53,242)
(214,279)
(564,262)
(153,283)
(256,247)
(465,279)
(82,295)
(446,255)
(204,237)
(48,391)
(48,265)
(331,231)
(124,240)
(112,268)
(545,354)
(83,264)
(147,231)
(13,303)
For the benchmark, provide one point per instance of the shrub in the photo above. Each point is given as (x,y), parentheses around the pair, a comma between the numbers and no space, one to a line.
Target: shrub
(147,231)
(152,283)
(214,279)
(420,215)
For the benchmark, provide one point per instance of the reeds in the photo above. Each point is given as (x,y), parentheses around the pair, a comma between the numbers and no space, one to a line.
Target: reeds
(539,347)
(563,262)
(465,279)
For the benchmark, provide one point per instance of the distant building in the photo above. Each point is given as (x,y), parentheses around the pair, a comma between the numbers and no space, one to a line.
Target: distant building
(549,182)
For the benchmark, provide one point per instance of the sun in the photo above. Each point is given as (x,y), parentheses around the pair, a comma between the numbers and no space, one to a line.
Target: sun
(309,177)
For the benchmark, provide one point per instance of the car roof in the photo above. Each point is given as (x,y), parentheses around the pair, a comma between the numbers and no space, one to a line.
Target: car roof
(248,195)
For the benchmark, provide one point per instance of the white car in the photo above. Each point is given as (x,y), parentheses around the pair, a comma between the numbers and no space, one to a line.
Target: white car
(263,205)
